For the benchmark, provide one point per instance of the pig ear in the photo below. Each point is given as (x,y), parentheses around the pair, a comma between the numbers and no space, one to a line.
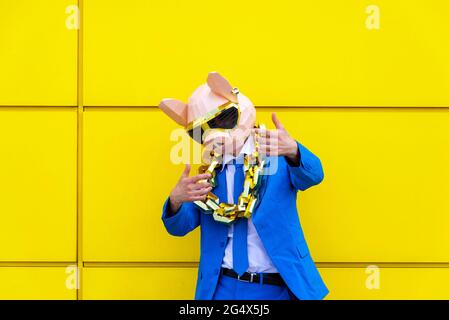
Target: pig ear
(175,109)
(221,86)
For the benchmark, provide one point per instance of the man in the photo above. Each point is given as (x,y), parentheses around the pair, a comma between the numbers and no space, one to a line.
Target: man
(263,255)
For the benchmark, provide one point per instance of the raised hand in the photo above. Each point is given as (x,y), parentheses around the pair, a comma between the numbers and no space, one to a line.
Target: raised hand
(189,189)
(277,142)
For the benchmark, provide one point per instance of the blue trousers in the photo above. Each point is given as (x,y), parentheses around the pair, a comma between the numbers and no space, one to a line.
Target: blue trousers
(232,289)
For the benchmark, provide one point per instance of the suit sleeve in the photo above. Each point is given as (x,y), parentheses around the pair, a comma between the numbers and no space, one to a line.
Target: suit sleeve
(182,222)
(308,173)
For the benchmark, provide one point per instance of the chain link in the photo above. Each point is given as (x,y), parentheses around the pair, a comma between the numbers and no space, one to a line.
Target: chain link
(228,213)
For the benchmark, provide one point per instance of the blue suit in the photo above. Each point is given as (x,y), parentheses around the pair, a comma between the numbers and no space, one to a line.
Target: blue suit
(276,221)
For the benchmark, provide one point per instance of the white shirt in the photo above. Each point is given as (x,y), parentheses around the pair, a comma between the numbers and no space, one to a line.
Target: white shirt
(258,259)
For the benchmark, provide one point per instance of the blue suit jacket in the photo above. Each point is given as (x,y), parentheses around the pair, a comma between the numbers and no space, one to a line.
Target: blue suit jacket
(276,221)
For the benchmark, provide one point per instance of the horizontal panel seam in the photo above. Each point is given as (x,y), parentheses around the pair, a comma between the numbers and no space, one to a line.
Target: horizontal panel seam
(36,263)
(284,107)
(37,108)
(186,264)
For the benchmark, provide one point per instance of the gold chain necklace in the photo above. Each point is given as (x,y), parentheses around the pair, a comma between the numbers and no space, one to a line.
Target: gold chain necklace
(226,212)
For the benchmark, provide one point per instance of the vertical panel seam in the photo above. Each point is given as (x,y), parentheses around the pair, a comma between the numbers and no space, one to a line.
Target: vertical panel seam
(79,170)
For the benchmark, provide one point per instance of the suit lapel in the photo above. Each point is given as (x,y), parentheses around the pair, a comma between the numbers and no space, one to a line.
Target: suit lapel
(263,186)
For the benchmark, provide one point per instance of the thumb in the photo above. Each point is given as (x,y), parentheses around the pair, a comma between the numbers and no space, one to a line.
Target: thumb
(276,122)
(186,172)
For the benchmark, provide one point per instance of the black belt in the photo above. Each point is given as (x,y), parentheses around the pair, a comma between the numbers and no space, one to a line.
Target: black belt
(267,278)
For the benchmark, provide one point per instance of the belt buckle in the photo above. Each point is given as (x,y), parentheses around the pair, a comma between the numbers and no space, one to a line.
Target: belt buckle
(251,279)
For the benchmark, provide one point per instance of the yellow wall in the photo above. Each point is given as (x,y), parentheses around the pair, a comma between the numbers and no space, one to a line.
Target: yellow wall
(85,153)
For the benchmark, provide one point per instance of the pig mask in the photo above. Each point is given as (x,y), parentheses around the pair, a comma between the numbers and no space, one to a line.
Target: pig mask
(216,115)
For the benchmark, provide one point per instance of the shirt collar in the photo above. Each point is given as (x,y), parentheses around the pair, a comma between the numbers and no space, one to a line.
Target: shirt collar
(247,148)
